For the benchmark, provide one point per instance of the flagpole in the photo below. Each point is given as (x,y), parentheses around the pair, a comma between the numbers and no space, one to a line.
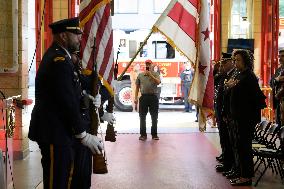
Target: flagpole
(140,48)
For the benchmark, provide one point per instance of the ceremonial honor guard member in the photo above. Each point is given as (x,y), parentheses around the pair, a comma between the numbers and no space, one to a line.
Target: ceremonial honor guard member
(56,120)
(276,84)
(226,72)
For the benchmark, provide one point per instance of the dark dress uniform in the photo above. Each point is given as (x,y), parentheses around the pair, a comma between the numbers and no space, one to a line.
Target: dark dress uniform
(219,79)
(246,102)
(223,126)
(56,116)
(83,155)
(275,85)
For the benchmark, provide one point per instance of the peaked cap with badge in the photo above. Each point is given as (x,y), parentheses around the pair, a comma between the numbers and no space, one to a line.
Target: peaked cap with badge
(226,55)
(70,25)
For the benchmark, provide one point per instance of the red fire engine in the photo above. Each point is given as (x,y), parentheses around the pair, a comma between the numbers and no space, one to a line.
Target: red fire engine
(160,52)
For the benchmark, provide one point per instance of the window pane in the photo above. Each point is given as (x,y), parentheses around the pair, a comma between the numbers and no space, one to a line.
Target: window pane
(170,51)
(239,10)
(160,6)
(126,6)
(236,7)
(132,48)
(144,50)
(163,50)
(236,19)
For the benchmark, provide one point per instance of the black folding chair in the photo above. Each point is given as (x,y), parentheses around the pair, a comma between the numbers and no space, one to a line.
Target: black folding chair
(260,131)
(272,155)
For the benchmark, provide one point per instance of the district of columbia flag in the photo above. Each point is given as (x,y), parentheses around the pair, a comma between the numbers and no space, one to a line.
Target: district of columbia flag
(95,20)
(202,91)
(185,24)
(178,23)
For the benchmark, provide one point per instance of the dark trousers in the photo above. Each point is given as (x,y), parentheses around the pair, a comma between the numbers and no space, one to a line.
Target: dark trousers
(226,145)
(233,138)
(148,103)
(82,167)
(83,158)
(187,105)
(220,124)
(244,135)
(278,115)
(58,165)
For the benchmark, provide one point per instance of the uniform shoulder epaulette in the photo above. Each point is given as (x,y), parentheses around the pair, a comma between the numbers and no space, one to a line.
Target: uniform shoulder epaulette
(59,58)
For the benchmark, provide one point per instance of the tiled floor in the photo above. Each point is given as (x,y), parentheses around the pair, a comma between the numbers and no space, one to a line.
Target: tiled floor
(183,158)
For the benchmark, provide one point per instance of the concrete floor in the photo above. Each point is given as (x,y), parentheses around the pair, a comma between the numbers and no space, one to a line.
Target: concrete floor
(182,158)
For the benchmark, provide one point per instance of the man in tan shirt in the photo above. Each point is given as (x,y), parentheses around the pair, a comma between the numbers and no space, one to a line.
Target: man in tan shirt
(147,83)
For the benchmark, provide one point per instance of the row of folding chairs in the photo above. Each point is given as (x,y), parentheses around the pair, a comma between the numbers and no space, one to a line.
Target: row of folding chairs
(268,149)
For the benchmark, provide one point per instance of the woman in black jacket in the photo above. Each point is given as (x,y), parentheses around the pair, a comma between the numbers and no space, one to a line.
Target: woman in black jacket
(246,102)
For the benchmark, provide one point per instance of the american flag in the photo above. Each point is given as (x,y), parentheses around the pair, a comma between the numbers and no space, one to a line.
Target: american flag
(185,23)
(95,19)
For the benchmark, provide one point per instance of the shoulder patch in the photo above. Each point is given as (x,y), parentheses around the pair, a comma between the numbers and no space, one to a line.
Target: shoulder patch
(59,58)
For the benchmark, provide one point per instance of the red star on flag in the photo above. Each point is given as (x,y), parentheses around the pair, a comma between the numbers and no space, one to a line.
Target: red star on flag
(206,34)
(201,68)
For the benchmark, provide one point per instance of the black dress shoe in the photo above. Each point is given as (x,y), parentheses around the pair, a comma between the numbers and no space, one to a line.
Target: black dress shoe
(228,172)
(234,180)
(232,176)
(218,158)
(221,168)
(239,182)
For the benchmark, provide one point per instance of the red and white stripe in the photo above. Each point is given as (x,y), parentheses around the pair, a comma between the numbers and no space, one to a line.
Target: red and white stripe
(178,23)
(96,19)
(202,91)
(185,23)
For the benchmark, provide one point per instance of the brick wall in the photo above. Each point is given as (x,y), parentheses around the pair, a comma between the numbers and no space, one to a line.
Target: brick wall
(6,34)
(15,83)
(60,9)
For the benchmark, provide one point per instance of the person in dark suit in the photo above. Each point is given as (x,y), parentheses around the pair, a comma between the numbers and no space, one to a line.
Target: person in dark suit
(276,81)
(246,102)
(226,71)
(82,172)
(56,120)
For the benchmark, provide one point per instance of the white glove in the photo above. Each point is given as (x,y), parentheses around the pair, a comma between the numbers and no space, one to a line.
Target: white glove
(96,100)
(109,117)
(91,141)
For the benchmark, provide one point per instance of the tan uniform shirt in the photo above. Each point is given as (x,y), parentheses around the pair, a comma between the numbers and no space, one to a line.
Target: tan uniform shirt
(147,84)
